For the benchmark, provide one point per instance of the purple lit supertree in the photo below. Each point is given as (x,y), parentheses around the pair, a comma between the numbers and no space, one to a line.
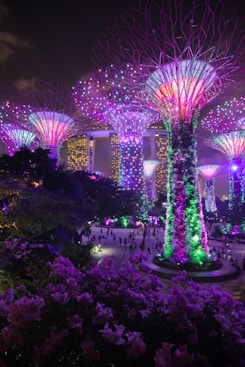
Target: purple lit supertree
(52,116)
(111,97)
(208,172)
(232,145)
(150,167)
(11,133)
(225,117)
(188,52)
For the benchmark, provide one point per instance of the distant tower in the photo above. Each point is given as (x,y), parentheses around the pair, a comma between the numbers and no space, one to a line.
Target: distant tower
(185,55)
(232,145)
(13,135)
(208,172)
(110,96)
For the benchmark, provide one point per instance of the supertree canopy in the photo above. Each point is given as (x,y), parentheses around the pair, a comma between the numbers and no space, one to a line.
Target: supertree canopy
(232,145)
(208,172)
(188,51)
(52,116)
(225,117)
(112,97)
(11,132)
(16,138)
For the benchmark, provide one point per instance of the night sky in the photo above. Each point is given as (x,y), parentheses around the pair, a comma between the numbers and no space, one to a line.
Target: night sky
(52,40)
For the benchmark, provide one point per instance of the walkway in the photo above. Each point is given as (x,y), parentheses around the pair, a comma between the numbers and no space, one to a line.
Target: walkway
(226,279)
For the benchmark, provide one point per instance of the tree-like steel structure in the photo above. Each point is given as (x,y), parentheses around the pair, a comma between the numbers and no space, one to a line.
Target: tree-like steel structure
(52,116)
(149,168)
(188,51)
(111,96)
(209,172)
(12,134)
(232,145)
(225,117)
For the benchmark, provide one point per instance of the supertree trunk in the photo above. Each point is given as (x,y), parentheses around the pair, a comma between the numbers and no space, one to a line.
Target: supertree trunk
(210,202)
(131,163)
(185,237)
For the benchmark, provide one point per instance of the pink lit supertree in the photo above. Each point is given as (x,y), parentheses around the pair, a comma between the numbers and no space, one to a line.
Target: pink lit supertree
(13,135)
(187,52)
(232,145)
(110,96)
(52,118)
(209,172)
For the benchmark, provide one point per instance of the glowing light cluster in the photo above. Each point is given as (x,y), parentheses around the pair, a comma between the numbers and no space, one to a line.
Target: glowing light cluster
(52,129)
(189,56)
(226,117)
(232,145)
(51,115)
(150,167)
(178,88)
(209,171)
(12,133)
(113,97)
(16,138)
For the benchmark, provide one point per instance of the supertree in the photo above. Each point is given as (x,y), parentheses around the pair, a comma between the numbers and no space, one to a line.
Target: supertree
(209,172)
(11,133)
(52,118)
(150,167)
(188,51)
(232,145)
(225,117)
(111,97)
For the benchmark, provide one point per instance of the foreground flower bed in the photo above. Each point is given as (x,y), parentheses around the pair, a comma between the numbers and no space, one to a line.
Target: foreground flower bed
(122,318)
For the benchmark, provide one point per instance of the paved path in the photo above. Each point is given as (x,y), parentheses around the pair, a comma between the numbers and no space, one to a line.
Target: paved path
(131,239)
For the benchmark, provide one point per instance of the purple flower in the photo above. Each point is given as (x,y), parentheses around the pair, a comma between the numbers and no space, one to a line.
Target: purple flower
(115,335)
(25,310)
(136,345)
(75,323)
(103,314)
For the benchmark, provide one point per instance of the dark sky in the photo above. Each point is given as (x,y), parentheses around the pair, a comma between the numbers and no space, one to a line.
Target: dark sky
(52,40)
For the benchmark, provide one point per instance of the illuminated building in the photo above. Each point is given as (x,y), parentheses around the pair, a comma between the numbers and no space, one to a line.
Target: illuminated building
(77,155)
(232,145)
(114,155)
(208,172)
(182,64)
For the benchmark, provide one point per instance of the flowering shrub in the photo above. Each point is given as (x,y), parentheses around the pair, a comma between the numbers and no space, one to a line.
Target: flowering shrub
(108,317)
